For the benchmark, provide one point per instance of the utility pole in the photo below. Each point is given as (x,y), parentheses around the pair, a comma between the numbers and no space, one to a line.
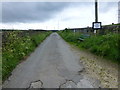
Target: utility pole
(96,25)
(46,27)
(58,24)
(119,12)
(96,13)
(96,10)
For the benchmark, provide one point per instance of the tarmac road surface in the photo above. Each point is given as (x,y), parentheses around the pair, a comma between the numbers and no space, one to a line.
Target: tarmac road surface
(51,65)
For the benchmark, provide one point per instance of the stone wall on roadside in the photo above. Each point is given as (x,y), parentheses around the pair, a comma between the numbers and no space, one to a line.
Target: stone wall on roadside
(105,29)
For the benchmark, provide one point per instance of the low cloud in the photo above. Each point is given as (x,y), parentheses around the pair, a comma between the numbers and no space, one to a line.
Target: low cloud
(30,11)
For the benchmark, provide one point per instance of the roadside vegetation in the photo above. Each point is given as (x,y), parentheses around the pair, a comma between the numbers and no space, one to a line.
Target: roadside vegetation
(0,66)
(0,58)
(106,46)
(16,46)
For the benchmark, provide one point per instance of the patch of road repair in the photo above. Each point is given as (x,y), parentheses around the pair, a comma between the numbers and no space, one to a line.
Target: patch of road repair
(36,84)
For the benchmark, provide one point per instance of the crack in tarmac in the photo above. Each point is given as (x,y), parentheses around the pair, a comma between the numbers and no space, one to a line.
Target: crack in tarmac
(39,84)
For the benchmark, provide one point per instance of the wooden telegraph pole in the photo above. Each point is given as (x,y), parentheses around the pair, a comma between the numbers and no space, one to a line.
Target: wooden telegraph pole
(96,13)
(96,10)
(96,24)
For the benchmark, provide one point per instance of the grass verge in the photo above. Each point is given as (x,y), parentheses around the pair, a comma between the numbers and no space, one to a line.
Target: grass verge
(16,45)
(106,46)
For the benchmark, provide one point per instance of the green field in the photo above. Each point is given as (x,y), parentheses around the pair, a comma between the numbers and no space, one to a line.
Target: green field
(106,46)
(16,46)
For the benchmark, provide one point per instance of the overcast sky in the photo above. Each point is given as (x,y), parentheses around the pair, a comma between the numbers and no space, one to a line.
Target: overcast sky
(56,15)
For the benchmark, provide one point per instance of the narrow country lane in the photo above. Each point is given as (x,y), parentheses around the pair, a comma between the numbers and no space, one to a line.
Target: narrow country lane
(51,65)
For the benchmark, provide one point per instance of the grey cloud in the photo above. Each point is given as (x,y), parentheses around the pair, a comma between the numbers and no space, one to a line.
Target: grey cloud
(43,11)
(30,11)
(103,6)
(106,6)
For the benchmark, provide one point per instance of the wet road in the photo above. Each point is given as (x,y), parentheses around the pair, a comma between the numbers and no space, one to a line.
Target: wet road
(51,65)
